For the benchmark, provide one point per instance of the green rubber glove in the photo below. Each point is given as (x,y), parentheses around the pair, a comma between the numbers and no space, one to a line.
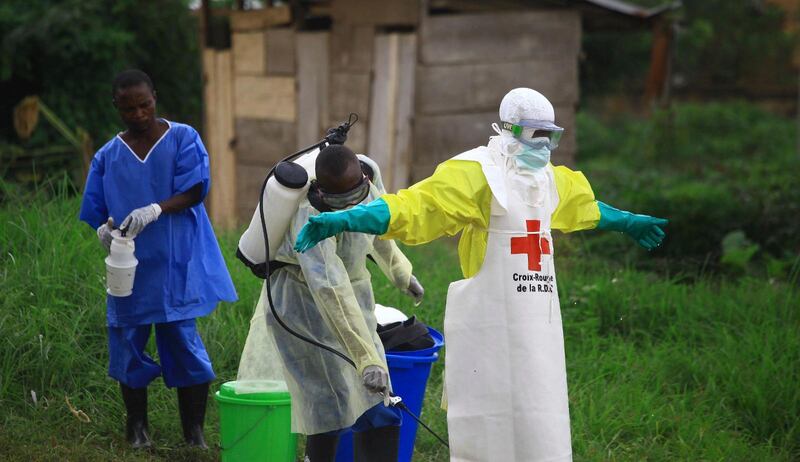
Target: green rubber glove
(643,229)
(372,218)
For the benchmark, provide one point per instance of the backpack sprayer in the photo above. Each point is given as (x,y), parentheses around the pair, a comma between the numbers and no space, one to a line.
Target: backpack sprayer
(291,183)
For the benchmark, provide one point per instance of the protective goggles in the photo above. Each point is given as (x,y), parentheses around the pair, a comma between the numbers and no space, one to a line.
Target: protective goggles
(346,199)
(535,133)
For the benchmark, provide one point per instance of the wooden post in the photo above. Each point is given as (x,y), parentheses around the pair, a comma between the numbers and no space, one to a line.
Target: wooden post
(218,94)
(87,152)
(383,103)
(404,120)
(312,86)
(392,107)
(658,75)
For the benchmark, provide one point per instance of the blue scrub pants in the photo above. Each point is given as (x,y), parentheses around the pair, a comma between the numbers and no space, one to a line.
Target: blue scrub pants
(375,417)
(184,360)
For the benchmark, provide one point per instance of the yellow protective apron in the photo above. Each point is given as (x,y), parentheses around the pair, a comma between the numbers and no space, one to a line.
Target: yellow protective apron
(506,378)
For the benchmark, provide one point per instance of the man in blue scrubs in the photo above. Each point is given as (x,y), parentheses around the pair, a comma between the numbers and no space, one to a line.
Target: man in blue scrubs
(152,179)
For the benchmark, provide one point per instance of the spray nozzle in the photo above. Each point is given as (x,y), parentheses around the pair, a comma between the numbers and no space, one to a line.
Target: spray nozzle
(390,399)
(338,135)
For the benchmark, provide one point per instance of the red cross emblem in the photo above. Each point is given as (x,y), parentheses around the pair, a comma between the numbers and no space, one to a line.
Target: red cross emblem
(533,244)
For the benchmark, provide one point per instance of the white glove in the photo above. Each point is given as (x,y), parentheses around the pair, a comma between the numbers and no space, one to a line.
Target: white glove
(104,233)
(415,290)
(139,218)
(375,378)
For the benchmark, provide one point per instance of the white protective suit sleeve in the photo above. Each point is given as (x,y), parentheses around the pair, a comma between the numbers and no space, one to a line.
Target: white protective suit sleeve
(333,294)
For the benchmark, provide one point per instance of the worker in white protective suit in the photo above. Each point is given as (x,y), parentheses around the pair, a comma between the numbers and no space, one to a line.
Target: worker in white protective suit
(505,374)
(326,295)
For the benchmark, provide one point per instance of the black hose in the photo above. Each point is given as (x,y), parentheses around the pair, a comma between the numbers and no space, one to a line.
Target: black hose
(403,406)
(334,136)
(266,248)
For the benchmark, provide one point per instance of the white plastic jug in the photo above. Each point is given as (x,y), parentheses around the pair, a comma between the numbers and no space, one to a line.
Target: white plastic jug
(120,265)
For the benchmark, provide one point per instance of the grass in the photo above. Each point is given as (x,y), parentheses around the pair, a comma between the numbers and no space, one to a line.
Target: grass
(659,368)
(705,168)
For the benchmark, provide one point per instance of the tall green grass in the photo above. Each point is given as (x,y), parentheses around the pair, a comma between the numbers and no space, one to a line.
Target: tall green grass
(712,169)
(659,368)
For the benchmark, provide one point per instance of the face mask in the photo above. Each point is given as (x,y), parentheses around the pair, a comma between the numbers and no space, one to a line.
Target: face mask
(531,158)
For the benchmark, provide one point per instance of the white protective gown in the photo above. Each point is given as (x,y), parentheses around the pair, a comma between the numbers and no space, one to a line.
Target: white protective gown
(326,294)
(509,402)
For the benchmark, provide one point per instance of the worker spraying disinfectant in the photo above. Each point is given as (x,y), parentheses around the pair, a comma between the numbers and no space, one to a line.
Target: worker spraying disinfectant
(321,302)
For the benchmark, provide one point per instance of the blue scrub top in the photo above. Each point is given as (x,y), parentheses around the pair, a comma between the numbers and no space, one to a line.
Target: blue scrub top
(181,272)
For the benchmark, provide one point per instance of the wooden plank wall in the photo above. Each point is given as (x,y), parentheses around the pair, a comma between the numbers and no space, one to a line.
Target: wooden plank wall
(468,62)
(281,98)
(352,58)
(422,97)
(391,107)
(219,135)
(350,79)
(265,98)
(312,84)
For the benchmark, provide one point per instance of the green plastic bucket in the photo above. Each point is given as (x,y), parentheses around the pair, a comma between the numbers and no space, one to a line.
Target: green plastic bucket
(255,427)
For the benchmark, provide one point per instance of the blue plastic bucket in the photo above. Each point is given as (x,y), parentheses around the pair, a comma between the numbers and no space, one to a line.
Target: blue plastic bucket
(409,371)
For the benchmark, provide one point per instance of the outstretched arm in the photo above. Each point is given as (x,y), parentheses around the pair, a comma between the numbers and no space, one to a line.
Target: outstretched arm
(643,229)
(455,196)
(578,210)
(372,218)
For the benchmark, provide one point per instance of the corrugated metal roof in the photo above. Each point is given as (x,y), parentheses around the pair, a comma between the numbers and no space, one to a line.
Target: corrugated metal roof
(629,9)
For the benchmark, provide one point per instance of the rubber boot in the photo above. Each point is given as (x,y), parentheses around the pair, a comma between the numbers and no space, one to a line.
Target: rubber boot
(136,422)
(321,448)
(377,445)
(192,406)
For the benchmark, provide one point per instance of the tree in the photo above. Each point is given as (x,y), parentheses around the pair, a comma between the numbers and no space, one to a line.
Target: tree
(68,52)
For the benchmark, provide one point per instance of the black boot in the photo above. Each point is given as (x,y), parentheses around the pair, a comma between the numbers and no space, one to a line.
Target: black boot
(192,406)
(136,423)
(321,448)
(377,445)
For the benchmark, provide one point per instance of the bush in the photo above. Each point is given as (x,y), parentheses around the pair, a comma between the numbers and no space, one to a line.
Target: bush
(68,52)
(711,169)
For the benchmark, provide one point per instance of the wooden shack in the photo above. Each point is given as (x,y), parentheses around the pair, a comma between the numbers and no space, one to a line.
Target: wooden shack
(424,76)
